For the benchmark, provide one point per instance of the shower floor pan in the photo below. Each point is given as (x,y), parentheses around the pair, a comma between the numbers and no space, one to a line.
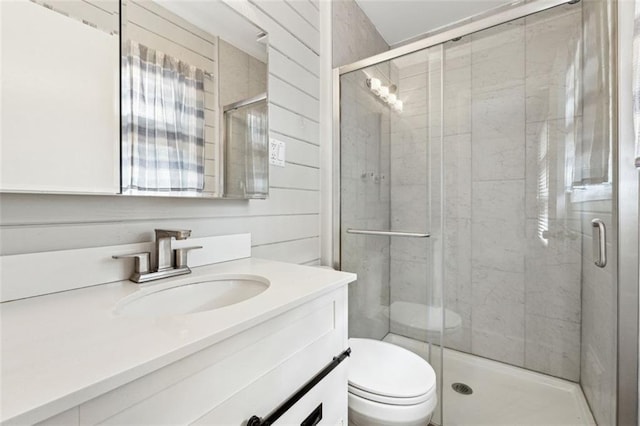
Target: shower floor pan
(502,394)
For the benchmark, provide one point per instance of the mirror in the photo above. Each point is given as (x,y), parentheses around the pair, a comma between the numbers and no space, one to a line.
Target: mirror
(194,101)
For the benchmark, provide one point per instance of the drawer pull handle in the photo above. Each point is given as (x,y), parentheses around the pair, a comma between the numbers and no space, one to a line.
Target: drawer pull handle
(285,406)
(314,418)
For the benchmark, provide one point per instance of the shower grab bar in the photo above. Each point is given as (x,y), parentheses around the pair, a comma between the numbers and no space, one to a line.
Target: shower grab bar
(387,233)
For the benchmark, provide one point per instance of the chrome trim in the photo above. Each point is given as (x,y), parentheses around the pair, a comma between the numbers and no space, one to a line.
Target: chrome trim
(599,238)
(387,233)
(466,27)
(336,182)
(245,102)
(626,219)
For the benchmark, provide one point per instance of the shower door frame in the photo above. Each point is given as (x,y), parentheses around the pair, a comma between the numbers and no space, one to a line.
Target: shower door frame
(624,276)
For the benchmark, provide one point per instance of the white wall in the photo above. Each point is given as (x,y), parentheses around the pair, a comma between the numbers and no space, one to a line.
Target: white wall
(284,227)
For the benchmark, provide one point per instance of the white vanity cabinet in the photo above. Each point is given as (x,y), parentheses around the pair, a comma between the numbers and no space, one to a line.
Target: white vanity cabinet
(250,373)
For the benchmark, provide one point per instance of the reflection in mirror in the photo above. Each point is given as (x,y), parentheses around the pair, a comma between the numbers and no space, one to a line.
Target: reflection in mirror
(194,105)
(246,170)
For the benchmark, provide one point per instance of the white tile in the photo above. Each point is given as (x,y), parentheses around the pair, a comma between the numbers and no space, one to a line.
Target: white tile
(410,168)
(457,279)
(498,135)
(457,179)
(491,42)
(553,347)
(553,291)
(409,207)
(410,249)
(498,58)
(410,281)
(457,54)
(498,225)
(554,94)
(498,245)
(498,315)
(544,54)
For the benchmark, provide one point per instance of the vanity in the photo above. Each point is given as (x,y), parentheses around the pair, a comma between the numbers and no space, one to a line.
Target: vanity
(85,356)
(81,344)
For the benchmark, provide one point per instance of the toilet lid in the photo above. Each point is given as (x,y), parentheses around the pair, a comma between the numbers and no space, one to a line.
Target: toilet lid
(387,370)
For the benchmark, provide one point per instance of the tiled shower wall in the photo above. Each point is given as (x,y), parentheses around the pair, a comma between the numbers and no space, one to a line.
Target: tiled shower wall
(512,242)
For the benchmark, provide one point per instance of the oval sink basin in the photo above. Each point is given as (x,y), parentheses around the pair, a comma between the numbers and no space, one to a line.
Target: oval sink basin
(191,297)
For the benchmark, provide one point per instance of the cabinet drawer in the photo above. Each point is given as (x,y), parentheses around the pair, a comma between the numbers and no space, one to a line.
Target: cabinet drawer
(271,390)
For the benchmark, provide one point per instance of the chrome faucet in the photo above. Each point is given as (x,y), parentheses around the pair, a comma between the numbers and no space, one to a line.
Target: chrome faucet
(169,262)
(165,256)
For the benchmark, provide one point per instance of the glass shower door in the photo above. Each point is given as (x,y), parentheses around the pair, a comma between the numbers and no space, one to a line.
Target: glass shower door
(527,167)
(391,187)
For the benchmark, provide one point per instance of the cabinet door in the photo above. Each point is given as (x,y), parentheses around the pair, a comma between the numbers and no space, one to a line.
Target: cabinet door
(60,98)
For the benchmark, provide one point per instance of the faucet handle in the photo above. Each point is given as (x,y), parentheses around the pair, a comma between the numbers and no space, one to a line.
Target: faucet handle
(142,264)
(181,256)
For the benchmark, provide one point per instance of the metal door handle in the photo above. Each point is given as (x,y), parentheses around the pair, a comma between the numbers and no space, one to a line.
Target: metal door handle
(387,233)
(599,243)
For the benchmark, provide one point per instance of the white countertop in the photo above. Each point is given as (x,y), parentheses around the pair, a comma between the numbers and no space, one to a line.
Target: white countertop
(63,349)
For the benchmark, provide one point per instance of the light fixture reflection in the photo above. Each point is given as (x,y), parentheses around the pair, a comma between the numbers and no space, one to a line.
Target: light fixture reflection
(384,93)
(376,87)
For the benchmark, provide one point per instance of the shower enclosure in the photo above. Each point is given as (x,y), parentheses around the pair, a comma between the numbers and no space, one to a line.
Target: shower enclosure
(477,200)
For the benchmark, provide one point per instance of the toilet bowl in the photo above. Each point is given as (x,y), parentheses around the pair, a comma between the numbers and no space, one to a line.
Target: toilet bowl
(389,385)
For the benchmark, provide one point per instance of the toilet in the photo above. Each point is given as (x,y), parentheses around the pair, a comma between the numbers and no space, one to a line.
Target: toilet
(389,385)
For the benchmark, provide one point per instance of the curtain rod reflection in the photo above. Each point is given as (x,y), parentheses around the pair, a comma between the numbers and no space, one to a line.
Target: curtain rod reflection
(245,102)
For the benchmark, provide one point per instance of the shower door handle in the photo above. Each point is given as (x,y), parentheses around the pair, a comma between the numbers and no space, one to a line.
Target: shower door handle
(599,234)
(387,233)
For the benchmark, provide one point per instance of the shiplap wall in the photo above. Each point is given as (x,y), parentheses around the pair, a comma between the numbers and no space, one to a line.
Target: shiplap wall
(284,227)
